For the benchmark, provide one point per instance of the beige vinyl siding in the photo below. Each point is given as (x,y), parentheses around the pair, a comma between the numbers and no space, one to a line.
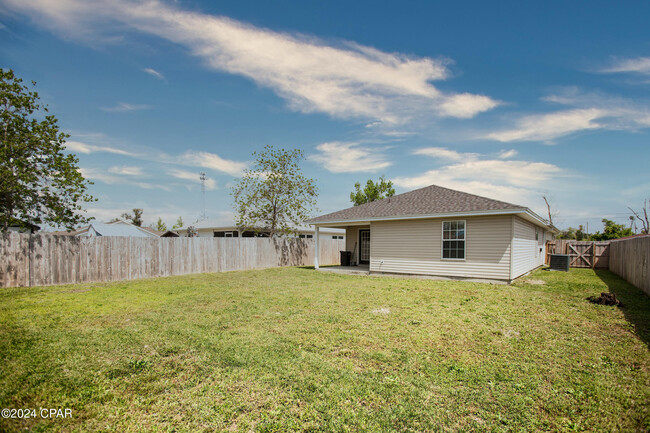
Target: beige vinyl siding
(415,247)
(525,249)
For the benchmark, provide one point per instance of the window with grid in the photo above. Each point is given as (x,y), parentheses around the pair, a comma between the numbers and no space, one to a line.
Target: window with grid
(453,240)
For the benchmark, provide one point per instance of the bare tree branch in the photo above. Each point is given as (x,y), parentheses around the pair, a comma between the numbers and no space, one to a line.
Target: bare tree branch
(645,222)
(548,208)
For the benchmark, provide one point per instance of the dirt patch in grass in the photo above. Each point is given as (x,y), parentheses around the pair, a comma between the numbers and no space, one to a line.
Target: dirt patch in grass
(535,282)
(605,299)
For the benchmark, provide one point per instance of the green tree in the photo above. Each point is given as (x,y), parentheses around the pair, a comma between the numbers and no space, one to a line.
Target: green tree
(612,230)
(372,191)
(179,223)
(274,195)
(38,182)
(574,234)
(569,233)
(160,225)
(136,218)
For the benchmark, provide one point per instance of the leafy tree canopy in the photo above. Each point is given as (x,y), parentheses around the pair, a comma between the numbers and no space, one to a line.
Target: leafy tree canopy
(136,218)
(612,231)
(372,191)
(160,225)
(38,182)
(573,233)
(274,195)
(179,223)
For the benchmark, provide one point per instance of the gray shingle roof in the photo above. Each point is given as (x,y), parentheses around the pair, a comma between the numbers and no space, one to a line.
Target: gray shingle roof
(429,200)
(120,230)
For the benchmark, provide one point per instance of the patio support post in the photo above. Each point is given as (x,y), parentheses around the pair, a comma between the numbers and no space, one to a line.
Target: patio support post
(317,248)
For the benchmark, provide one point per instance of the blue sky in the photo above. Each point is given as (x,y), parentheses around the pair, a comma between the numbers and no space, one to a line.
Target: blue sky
(510,100)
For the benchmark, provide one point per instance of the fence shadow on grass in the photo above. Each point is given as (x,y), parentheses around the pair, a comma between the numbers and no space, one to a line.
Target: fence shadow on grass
(636,304)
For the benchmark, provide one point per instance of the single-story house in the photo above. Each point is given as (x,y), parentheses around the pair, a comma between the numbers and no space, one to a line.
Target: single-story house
(161,234)
(20,226)
(117,228)
(217,229)
(442,232)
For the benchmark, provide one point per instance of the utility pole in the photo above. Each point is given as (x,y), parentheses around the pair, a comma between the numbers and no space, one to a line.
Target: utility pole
(202,177)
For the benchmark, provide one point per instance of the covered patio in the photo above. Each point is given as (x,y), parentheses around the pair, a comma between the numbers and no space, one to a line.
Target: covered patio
(347,270)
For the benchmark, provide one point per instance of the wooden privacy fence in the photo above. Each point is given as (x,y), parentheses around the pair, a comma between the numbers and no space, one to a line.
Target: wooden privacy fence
(40,260)
(630,259)
(583,254)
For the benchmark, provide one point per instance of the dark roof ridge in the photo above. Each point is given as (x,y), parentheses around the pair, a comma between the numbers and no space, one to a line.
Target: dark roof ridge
(455,191)
(428,200)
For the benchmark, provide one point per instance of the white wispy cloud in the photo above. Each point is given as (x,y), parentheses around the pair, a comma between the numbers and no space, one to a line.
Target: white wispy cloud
(80,147)
(123,107)
(154,73)
(466,105)
(344,80)
(507,154)
(518,182)
(126,170)
(210,183)
(212,161)
(639,65)
(445,154)
(96,174)
(189,158)
(545,127)
(342,157)
(584,112)
(516,173)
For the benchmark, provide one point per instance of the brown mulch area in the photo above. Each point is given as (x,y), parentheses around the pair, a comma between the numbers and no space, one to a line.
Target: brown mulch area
(605,299)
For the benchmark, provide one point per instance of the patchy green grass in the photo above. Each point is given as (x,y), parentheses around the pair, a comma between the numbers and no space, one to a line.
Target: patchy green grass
(296,350)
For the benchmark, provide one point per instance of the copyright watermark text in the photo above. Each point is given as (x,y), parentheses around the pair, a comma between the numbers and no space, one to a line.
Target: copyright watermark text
(46,413)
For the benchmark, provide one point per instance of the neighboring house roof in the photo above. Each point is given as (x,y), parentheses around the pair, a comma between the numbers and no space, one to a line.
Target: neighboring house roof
(152,231)
(75,232)
(430,201)
(116,223)
(21,225)
(126,229)
(220,226)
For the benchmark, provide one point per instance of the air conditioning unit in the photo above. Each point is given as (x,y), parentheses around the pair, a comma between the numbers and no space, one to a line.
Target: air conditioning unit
(560,262)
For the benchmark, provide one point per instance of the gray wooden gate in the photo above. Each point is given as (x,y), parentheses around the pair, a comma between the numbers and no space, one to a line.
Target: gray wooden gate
(583,254)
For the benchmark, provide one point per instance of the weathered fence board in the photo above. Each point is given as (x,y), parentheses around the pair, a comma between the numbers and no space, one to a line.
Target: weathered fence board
(40,260)
(630,259)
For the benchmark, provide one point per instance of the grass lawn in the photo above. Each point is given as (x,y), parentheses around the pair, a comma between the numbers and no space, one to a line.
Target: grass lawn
(297,350)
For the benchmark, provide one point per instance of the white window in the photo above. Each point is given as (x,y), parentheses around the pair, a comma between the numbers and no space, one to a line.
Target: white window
(228,234)
(453,240)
